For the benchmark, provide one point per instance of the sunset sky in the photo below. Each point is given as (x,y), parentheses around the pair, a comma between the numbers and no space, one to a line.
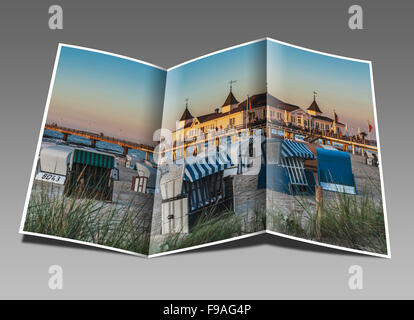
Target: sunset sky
(292,74)
(103,93)
(205,82)
(341,85)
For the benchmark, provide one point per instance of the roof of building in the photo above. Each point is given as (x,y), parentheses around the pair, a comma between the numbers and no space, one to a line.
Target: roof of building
(230,100)
(314,106)
(257,100)
(211,116)
(186,115)
(323,118)
(274,102)
(262,99)
(214,115)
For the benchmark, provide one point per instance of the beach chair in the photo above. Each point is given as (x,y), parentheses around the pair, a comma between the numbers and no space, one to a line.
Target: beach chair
(91,175)
(371,159)
(335,171)
(192,189)
(54,163)
(283,167)
(144,182)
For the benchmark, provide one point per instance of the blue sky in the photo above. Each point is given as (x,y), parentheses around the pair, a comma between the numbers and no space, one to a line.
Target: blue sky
(292,74)
(124,98)
(205,82)
(341,85)
(103,93)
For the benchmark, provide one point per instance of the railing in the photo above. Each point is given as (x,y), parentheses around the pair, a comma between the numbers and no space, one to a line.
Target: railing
(101,137)
(360,143)
(219,133)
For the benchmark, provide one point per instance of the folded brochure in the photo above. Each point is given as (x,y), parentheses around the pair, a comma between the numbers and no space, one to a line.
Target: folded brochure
(262,137)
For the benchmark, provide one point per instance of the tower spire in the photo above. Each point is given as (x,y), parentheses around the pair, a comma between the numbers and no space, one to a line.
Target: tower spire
(314,108)
(187,114)
(231,84)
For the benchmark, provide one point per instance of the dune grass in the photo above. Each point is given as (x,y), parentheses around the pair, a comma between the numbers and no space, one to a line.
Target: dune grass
(211,227)
(86,219)
(352,221)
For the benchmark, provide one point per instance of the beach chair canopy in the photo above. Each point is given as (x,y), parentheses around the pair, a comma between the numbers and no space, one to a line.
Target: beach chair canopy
(93,158)
(335,170)
(55,159)
(197,167)
(296,149)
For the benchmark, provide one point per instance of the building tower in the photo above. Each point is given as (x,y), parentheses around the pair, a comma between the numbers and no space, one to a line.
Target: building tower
(185,120)
(231,102)
(313,109)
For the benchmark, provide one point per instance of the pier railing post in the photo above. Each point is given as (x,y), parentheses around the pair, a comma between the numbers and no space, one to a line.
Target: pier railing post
(125,151)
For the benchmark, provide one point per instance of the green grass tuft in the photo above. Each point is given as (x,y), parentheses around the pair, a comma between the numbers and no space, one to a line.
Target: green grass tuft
(84,219)
(212,227)
(352,221)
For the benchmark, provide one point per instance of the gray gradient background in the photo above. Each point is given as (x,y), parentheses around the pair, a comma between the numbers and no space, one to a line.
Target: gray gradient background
(168,33)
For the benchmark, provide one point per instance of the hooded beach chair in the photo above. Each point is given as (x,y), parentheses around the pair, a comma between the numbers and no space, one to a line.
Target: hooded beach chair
(283,167)
(335,171)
